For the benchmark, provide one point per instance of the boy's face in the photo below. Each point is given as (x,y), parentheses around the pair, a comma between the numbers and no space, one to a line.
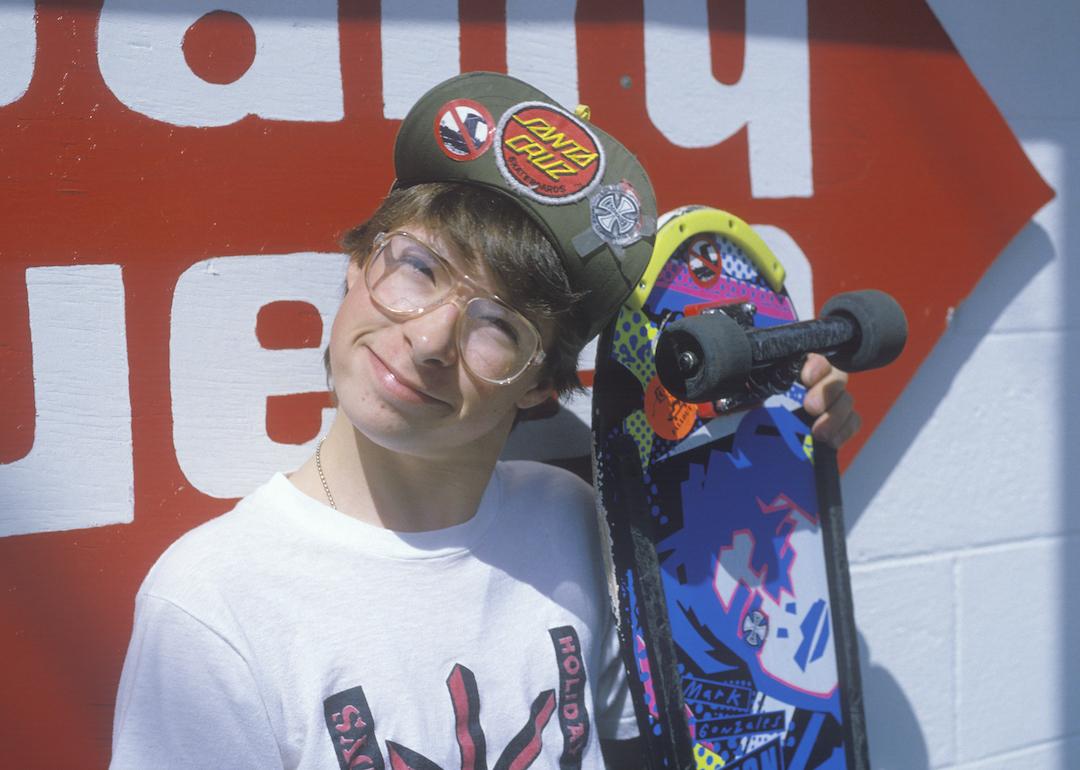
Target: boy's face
(402,384)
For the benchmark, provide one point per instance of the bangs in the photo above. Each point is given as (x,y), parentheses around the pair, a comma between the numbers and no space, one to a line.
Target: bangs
(487,230)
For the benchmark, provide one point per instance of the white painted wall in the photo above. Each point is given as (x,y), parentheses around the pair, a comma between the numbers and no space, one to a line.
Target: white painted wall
(961,534)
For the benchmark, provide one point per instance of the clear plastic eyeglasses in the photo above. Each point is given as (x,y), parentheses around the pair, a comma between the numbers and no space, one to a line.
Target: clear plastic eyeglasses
(407,278)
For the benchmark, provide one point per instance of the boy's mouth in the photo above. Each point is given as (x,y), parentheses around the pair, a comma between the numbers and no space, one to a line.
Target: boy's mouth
(400,386)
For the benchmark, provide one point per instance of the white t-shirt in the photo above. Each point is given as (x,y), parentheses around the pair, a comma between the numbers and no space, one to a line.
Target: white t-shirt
(286,634)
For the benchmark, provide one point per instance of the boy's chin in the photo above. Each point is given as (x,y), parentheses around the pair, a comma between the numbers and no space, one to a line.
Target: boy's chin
(450,440)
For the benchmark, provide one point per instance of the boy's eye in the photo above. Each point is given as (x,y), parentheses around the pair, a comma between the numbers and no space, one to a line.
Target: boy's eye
(495,324)
(420,263)
(500,325)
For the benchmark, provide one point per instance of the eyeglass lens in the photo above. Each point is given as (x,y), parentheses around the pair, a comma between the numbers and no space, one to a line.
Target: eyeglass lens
(495,342)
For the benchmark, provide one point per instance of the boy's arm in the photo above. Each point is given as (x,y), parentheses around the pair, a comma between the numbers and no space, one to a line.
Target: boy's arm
(187,698)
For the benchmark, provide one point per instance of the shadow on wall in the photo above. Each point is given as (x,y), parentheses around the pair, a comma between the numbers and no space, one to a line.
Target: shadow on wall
(1028,254)
(893,730)
(896,739)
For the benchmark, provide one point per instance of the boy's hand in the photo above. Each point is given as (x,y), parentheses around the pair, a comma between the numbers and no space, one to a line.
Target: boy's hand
(828,400)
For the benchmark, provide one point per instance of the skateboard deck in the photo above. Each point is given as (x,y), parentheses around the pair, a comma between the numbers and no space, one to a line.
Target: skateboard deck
(729,574)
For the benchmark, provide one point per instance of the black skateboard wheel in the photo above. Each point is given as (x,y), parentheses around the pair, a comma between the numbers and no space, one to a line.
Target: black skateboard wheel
(881,329)
(701,357)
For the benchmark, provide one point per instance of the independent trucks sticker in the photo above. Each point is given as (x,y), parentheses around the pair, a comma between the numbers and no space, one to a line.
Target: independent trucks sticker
(615,213)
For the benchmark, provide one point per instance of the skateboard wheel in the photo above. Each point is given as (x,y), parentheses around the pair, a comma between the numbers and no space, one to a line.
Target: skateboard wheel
(881,326)
(703,357)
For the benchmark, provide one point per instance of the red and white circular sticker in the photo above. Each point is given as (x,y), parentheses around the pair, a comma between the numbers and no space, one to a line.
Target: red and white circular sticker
(703,257)
(464,129)
(547,154)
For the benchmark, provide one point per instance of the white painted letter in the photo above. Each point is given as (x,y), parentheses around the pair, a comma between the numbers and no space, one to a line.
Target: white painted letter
(18,45)
(221,375)
(296,74)
(772,98)
(541,47)
(420,48)
(79,472)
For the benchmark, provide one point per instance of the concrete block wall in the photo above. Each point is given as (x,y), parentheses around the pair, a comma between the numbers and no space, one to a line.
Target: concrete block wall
(965,549)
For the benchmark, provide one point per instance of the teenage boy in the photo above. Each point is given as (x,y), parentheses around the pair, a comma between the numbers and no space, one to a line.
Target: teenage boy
(402,598)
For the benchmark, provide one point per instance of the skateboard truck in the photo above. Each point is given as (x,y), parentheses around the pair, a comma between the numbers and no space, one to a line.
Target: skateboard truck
(759,384)
(716,355)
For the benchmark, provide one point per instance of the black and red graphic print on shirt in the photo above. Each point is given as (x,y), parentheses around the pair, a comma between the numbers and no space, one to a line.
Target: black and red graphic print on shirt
(352,725)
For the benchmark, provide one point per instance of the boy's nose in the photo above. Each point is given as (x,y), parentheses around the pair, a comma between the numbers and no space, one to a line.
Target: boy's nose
(432,337)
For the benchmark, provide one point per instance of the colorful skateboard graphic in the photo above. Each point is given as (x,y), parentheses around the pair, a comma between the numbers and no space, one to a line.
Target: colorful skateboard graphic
(730,575)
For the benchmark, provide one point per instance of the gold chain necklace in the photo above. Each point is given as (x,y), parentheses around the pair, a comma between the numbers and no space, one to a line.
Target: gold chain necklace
(322,476)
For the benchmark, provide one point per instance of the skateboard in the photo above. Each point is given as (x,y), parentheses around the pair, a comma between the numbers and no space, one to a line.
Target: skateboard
(723,519)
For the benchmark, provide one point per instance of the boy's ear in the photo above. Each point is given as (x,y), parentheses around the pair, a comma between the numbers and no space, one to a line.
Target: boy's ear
(537,395)
(353,274)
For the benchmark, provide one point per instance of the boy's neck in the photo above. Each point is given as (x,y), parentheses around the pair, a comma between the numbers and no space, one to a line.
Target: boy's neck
(401,492)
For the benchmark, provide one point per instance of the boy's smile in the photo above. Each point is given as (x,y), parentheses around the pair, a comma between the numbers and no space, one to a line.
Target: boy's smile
(397,386)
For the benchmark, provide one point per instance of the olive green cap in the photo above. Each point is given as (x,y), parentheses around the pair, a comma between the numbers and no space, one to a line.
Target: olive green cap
(589,194)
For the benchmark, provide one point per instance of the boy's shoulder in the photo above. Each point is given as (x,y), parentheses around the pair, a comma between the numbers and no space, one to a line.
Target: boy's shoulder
(535,471)
(218,550)
(530,478)
(539,495)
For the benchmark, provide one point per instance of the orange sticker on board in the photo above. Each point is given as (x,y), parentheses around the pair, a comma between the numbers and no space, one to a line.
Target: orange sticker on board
(669,417)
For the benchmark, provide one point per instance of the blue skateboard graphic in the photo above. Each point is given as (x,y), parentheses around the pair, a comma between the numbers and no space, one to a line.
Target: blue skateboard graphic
(726,542)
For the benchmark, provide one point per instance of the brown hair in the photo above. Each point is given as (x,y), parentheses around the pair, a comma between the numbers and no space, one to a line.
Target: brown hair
(480,223)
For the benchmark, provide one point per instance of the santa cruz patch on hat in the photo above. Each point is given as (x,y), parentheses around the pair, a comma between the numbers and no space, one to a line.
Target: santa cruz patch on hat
(547,154)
